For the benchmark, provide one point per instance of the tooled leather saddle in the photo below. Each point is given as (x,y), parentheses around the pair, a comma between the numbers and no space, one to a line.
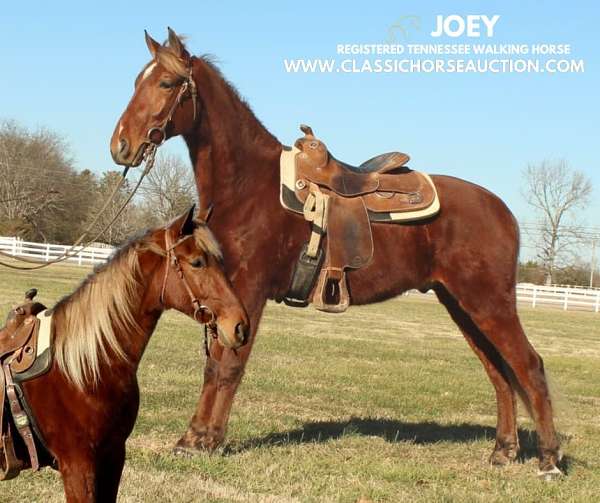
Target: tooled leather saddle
(343,202)
(24,354)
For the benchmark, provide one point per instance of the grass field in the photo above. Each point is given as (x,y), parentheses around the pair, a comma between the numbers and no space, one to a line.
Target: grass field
(384,403)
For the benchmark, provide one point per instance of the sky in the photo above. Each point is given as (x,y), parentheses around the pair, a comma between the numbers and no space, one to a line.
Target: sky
(70,66)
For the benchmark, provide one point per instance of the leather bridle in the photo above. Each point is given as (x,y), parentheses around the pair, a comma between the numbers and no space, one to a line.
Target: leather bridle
(157,135)
(202,313)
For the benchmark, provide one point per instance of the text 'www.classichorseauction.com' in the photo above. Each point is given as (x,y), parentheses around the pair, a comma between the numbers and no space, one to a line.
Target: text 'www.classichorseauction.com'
(442,58)
(494,58)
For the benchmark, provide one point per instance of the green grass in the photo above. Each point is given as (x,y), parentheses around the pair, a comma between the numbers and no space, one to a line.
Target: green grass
(384,403)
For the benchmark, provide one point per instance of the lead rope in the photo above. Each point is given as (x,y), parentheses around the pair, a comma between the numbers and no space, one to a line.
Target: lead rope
(149,158)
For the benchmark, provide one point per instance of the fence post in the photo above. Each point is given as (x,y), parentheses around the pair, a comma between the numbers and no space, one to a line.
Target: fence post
(47,252)
(598,301)
(534,300)
(80,257)
(566,304)
(14,247)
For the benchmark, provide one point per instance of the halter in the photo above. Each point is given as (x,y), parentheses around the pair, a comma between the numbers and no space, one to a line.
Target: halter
(159,132)
(173,262)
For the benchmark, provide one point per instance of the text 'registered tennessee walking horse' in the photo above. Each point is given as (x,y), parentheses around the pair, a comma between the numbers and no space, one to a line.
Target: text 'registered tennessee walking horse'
(83,405)
(467,253)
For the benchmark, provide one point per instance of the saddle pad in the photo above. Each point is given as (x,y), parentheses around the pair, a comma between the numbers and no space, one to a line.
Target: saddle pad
(381,206)
(42,361)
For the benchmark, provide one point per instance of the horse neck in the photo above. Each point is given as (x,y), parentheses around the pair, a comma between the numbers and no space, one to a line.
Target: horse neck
(145,309)
(231,151)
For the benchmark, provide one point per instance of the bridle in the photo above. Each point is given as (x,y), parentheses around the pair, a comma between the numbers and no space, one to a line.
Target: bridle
(157,135)
(202,313)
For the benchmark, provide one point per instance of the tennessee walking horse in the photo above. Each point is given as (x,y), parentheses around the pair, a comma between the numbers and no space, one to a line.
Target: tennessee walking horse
(76,408)
(467,252)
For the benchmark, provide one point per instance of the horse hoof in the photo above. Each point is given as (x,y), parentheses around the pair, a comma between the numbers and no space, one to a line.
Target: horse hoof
(211,442)
(504,456)
(194,442)
(499,458)
(550,474)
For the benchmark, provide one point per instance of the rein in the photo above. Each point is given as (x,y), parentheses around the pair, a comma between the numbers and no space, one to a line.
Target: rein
(77,247)
(156,136)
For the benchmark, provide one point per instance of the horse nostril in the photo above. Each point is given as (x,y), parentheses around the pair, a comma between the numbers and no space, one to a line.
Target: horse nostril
(241,332)
(123,147)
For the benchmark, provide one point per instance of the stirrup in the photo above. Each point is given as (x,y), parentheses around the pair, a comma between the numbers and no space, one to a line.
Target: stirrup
(331,294)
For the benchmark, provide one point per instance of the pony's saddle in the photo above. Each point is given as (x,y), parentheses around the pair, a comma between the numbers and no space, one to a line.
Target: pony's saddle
(24,354)
(342,202)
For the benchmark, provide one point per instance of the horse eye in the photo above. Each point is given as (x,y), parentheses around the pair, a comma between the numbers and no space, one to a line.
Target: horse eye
(199,262)
(166,85)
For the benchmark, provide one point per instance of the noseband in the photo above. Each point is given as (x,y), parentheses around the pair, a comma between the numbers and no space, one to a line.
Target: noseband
(173,262)
(158,134)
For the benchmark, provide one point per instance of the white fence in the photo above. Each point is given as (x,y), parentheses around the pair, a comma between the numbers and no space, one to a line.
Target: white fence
(562,297)
(566,298)
(46,252)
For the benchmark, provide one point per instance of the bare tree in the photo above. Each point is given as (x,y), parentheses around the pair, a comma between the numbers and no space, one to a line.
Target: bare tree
(556,191)
(34,167)
(122,226)
(168,190)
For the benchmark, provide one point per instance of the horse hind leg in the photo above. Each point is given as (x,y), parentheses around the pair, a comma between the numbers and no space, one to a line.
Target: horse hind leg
(496,317)
(507,440)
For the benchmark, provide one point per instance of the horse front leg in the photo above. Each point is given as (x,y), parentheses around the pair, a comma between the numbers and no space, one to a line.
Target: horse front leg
(194,437)
(222,375)
(79,479)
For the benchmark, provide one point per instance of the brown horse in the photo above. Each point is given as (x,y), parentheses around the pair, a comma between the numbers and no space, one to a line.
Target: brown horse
(86,405)
(467,254)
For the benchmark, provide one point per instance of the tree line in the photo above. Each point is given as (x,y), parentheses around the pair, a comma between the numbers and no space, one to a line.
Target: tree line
(43,197)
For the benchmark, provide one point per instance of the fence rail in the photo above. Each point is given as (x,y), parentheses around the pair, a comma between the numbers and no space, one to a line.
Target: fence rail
(562,297)
(45,251)
(566,298)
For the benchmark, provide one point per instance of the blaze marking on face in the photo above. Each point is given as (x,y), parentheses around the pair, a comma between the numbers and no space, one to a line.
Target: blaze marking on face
(121,127)
(148,71)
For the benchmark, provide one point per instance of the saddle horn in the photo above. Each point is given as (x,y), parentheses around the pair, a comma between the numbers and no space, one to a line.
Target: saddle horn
(307,130)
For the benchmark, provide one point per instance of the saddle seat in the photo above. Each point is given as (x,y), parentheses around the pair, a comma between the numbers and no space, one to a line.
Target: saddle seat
(342,202)
(380,163)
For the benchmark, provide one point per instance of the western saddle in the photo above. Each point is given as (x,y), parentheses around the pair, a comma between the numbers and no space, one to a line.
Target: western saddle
(342,202)
(24,355)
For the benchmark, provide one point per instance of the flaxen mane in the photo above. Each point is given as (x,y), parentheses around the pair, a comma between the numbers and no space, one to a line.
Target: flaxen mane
(103,306)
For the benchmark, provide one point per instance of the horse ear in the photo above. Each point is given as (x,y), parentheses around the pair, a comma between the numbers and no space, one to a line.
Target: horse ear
(204,215)
(175,43)
(189,224)
(152,44)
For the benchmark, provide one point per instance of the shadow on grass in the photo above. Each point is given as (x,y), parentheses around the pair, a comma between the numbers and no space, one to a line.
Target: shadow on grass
(390,431)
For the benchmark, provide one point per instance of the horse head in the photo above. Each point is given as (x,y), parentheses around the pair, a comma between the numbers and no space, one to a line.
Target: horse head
(192,280)
(164,102)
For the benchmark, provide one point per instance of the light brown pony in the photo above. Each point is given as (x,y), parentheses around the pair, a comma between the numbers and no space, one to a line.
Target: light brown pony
(86,405)
(467,254)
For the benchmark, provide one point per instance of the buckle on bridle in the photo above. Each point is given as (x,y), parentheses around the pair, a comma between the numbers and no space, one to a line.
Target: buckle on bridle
(204,314)
(157,135)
